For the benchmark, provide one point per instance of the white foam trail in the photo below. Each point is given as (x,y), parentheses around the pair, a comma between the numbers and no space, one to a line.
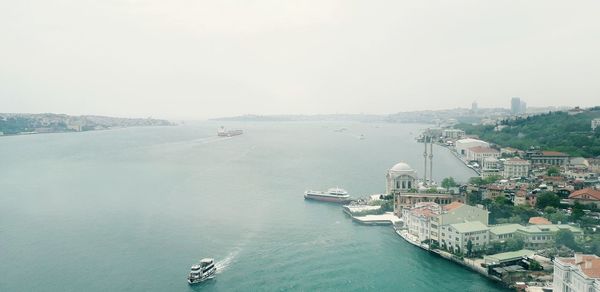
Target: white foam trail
(223,264)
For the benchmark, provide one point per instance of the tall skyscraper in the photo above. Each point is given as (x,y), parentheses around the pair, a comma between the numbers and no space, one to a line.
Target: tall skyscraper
(474,106)
(523,107)
(515,105)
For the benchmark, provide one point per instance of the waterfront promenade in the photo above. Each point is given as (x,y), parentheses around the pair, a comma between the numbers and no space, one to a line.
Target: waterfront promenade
(472,264)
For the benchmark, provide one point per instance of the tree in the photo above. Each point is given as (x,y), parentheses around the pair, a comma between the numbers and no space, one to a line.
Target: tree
(469,247)
(577,211)
(553,171)
(535,265)
(448,183)
(474,198)
(557,217)
(566,238)
(547,199)
(515,243)
(501,207)
(476,181)
(524,212)
(549,210)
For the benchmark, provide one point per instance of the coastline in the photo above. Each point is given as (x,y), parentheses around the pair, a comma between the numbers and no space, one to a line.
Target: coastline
(455,154)
(470,264)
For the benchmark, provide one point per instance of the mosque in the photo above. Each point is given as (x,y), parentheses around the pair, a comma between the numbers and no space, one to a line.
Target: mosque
(404,185)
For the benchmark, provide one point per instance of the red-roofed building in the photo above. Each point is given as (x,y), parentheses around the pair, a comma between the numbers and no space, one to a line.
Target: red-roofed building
(538,157)
(539,221)
(452,206)
(478,153)
(577,274)
(586,196)
(416,219)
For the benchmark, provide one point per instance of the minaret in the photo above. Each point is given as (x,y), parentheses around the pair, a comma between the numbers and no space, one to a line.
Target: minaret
(425,161)
(431,161)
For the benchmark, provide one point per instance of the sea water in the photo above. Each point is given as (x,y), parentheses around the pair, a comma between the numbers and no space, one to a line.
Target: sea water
(132,209)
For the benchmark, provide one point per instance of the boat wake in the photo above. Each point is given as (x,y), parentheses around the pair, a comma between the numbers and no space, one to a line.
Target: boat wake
(223,264)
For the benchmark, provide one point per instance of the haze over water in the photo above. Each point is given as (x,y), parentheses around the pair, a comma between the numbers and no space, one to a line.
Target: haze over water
(132,209)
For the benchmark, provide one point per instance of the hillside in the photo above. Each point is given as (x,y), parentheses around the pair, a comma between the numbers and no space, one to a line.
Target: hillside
(557,131)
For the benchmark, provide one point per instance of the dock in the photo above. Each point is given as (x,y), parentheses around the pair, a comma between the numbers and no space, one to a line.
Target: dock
(387,218)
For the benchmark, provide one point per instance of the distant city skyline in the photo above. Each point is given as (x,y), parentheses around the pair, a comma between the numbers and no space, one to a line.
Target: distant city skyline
(198,60)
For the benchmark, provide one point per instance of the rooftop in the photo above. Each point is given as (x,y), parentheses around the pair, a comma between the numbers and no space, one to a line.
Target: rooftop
(507,256)
(469,226)
(468,140)
(539,221)
(452,206)
(516,160)
(588,264)
(554,153)
(505,228)
(480,149)
(587,193)
(549,228)
(402,166)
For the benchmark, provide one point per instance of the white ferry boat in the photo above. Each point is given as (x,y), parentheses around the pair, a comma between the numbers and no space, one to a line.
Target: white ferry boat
(222,132)
(334,195)
(202,271)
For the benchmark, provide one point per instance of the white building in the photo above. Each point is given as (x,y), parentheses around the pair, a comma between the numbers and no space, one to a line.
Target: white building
(401,177)
(453,134)
(417,219)
(595,124)
(463,144)
(516,167)
(479,153)
(455,237)
(577,274)
(456,212)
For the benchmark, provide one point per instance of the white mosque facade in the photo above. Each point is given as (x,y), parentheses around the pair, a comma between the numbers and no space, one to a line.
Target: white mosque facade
(403,184)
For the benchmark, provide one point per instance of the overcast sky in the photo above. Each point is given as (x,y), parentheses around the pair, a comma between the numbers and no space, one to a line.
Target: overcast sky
(201,59)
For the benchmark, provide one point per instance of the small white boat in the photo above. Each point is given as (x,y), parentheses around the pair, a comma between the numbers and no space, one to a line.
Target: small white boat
(202,271)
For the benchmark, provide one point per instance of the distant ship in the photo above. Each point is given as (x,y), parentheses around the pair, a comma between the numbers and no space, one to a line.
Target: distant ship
(202,271)
(222,132)
(334,195)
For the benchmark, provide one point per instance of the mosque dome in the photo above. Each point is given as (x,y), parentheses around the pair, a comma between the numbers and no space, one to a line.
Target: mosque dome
(402,167)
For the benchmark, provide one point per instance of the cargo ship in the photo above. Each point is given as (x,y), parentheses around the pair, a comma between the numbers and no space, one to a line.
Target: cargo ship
(333,195)
(222,132)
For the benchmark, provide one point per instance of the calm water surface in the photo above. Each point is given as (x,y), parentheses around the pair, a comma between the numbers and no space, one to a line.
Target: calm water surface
(132,209)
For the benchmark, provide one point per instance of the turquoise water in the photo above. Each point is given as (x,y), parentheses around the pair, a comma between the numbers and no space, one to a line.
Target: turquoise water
(132,209)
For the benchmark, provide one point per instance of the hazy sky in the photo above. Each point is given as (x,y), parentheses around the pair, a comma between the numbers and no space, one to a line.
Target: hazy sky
(201,59)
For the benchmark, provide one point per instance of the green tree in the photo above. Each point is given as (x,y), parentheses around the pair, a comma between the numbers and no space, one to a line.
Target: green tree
(557,217)
(547,199)
(515,243)
(448,183)
(535,265)
(549,210)
(474,198)
(577,211)
(476,181)
(566,238)
(553,171)
(469,247)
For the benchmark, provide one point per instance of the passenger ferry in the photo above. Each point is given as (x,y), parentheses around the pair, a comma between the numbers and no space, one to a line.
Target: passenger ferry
(334,195)
(202,271)
(222,132)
